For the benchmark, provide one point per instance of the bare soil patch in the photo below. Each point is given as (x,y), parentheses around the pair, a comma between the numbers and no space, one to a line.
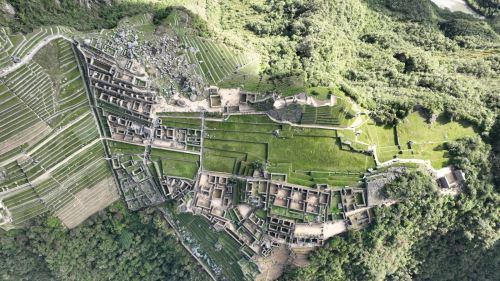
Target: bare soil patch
(30,136)
(87,202)
(272,266)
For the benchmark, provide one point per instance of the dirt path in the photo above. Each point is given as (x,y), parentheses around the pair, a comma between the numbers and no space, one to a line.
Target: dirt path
(426,163)
(11,68)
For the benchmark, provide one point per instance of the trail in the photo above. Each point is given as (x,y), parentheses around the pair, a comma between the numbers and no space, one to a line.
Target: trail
(11,68)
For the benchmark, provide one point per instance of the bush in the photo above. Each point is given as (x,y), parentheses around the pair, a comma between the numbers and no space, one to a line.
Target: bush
(461,27)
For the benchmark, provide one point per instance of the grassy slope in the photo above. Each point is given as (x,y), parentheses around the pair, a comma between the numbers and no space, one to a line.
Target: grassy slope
(53,76)
(301,150)
(428,139)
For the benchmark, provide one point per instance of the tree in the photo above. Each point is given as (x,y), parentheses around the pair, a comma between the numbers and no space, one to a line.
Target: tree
(112,245)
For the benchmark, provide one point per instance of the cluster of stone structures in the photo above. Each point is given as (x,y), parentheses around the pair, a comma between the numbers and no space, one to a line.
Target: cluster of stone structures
(232,101)
(261,213)
(312,201)
(124,99)
(163,54)
(120,91)
(138,186)
(179,138)
(125,102)
(175,187)
(160,55)
(452,179)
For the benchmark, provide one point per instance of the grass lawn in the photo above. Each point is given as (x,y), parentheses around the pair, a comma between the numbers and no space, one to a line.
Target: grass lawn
(179,168)
(174,163)
(435,153)
(428,139)
(243,139)
(387,153)
(380,135)
(214,162)
(260,213)
(415,128)
(262,118)
(322,93)
(179,122)
(254,150)
(236,126)
(317,154)
(124,148)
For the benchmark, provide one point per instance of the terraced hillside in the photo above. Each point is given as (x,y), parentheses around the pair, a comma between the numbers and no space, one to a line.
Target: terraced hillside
(414,138)
(215,61)
(16,46)
(51,155)
(306,156)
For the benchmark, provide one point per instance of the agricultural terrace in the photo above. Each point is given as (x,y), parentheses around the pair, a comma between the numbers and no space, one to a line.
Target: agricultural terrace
(165,162)
(307,156)
(50,146)
(251,79)
(199,234)
(215,61)
(122,148)
(39,97)
(182,121)
(78,136)
(19,45)
(414,138)
(340,115)
(56,189)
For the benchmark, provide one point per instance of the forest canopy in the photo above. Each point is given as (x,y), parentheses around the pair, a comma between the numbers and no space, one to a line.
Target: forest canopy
(424,235)
(115,244)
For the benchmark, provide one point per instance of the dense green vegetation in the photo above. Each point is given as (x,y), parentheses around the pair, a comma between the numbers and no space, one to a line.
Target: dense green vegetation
(180,17)
(425,235)
(234,145)
(489,8)
(113,245)
(33,14)
(390,55)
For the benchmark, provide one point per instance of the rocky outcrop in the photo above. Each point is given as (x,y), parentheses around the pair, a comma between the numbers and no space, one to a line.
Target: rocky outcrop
(7,9)
(90,3)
